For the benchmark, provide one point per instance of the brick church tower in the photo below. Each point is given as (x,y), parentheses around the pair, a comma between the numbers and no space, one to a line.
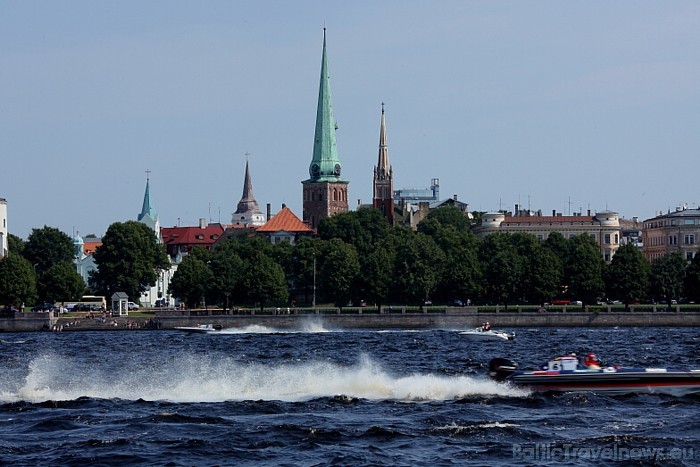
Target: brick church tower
(325,193)
(383,198)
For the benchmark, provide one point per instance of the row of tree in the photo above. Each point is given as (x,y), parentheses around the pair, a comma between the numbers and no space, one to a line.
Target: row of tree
(355,257)
(40,269)
(358,257)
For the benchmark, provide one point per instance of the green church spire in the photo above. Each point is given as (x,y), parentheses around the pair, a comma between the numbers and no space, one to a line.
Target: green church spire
(147,209)
(325,165)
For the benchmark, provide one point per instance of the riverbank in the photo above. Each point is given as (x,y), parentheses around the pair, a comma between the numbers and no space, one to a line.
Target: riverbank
(354,318)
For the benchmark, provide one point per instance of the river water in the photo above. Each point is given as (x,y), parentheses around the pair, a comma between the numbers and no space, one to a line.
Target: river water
(319,396)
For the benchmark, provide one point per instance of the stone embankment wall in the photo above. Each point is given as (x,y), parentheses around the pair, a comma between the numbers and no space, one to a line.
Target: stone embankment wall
(397,318)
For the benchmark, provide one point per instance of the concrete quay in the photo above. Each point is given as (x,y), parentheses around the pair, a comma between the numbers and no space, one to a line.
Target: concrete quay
(353,318)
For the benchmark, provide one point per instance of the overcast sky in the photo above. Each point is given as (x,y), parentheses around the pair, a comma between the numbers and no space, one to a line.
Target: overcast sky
(553,105)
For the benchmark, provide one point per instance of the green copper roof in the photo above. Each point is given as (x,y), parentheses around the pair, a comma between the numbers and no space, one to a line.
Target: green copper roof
(147,209)
(325,165)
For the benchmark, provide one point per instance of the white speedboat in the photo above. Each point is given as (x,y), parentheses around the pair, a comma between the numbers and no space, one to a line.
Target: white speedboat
(200,328)
(481,334)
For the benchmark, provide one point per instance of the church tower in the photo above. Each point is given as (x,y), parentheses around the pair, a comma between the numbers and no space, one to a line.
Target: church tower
(148,215)
(248,212)
(383,198)
(325,193)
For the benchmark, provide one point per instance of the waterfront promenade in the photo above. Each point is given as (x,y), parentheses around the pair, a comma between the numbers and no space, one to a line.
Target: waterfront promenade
(363,318)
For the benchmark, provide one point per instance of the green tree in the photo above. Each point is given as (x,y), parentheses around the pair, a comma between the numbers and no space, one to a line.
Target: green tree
(666,278)
(691,283)
(362,229)
(417,267)
(226,285)
(448,215)
(191,281)
(265,281)
(128,260)
(627,277)
(583,270)
(338,269)
(545,272)
(377,274)
(502,269)
(15,244)
(48,246)
(61,283)
(302,261)
(17,281)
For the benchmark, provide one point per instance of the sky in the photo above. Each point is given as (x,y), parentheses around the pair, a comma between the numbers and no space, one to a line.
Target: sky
(551,105)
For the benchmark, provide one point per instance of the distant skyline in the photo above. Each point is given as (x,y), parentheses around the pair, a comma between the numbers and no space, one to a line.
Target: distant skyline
(551,105)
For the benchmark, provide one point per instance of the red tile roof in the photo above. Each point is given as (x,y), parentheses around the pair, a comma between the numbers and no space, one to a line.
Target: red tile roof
(192,235)
(287,221)
(89,246)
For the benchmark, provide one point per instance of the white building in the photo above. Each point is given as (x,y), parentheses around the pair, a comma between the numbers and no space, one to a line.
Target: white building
(603,227)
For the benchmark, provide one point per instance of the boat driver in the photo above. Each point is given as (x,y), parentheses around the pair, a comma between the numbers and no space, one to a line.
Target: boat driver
(487,326)
(591,362)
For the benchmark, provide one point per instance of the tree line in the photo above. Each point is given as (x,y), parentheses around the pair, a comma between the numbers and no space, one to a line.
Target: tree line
(356,257)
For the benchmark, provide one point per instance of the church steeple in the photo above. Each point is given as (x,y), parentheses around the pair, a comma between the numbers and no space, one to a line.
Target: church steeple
(248,212)
(325,193)
(148,215)
(325,164)
(383,184)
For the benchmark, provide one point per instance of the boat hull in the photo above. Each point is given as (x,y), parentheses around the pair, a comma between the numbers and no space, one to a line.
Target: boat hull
(487,335)
(199,329)
(677,383)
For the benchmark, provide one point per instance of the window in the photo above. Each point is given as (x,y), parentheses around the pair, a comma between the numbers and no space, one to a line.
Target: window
(617,239)
(689,239)
(689,222)
(688,255)
(606,239)
(672,240)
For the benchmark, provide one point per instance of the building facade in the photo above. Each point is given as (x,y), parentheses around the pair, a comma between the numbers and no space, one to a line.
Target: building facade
(674,232)
(325,194)
(3,227)
(417,195)
(383,183)
(603,227)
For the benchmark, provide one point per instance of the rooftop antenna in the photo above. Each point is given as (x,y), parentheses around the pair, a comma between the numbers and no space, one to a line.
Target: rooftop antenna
(569,205)
(148,174)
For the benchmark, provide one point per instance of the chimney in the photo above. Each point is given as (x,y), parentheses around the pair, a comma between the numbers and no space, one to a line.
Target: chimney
(554,212)
(284,205)
(268,212)
(517,211)
(202,223)
(454,197)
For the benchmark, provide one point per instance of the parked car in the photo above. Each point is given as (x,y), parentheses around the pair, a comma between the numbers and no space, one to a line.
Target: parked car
(45,307)
(561,302)
(132,306)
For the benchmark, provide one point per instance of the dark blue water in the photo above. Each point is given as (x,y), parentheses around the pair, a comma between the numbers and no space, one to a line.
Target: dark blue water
(331,397)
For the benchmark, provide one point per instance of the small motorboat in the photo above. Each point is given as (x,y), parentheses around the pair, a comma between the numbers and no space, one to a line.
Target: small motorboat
(566,374)
(200,328)
(482,334)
